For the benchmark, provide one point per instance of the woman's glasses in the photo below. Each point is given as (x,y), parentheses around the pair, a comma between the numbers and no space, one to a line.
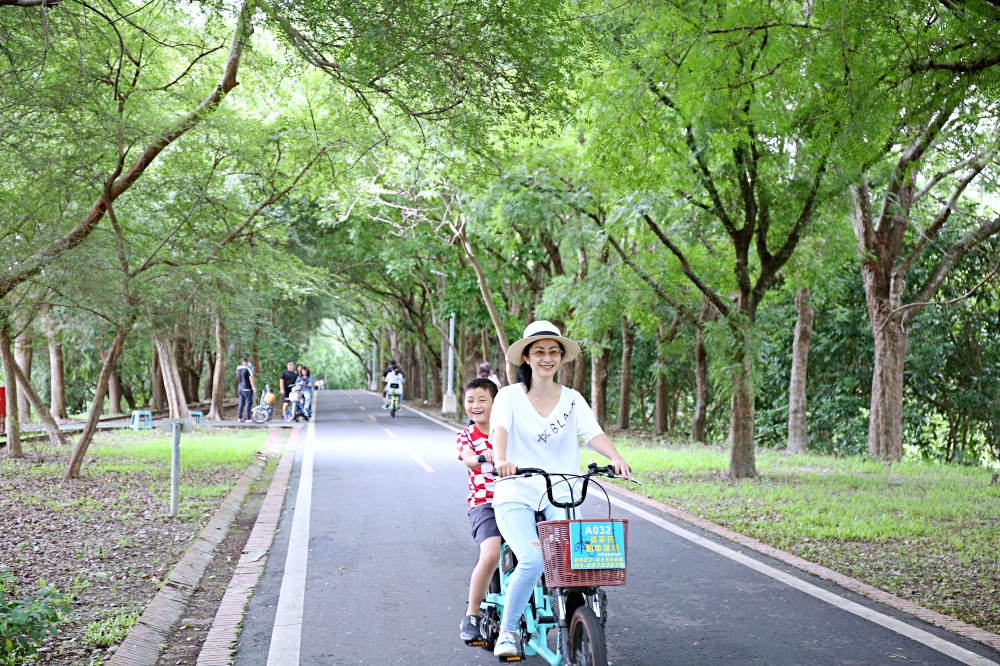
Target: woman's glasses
(539,354)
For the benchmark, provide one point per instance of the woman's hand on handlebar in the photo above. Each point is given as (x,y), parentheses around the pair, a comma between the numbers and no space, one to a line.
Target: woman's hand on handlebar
(621,468)
(504,467)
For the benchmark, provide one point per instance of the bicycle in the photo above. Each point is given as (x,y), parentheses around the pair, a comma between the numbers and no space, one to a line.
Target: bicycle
(394,399)
(263,412)
(580,556)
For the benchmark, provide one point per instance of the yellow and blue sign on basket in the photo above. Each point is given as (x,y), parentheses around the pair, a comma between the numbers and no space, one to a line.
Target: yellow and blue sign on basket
(597,545)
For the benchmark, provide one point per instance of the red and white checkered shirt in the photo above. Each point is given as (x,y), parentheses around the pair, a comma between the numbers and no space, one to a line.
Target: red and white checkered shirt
(481,479)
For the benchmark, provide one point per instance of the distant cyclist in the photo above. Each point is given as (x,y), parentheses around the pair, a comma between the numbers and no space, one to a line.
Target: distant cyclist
(288,379)
(393,384)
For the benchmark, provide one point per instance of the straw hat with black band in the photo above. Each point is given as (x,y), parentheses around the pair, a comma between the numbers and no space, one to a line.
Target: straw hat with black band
(541,330)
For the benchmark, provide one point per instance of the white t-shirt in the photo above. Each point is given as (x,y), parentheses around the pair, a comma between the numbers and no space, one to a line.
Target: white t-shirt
(549,443)
(394,378)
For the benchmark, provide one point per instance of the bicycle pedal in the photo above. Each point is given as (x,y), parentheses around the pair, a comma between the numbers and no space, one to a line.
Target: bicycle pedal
(476,642)
(516,657)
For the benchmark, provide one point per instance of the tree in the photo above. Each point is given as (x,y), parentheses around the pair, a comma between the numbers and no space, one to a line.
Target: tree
(798,438)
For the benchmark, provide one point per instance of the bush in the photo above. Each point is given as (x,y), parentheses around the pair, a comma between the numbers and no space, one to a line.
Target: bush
(26,621)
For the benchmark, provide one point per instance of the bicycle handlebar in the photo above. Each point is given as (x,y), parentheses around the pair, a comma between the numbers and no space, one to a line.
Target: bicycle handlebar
(592,470)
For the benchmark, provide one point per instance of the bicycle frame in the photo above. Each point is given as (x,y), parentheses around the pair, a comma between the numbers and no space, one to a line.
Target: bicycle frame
(539,616)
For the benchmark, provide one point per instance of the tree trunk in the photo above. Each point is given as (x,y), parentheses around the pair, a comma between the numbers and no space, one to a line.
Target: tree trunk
(209,375)
(217,411)
(444,365)
(700,388)
(76,460)
(394,345)
(484,289)
(742,462)
(625,401)
(13,425)
(51,427)
(599,383)
(798,439)
(23,353)
(580,373)
(57,372)
(436,396)
(660,408)
(421,372)
(176,401)
(885,421)
(159,391)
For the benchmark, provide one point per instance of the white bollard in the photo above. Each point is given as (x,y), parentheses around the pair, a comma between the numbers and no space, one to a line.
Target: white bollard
(175,469)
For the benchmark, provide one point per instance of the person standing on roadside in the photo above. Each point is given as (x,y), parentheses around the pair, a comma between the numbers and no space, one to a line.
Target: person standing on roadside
(288,379)
(246,387)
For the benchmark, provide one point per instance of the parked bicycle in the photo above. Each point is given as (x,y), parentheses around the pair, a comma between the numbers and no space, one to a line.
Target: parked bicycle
(264,410)
(580,556)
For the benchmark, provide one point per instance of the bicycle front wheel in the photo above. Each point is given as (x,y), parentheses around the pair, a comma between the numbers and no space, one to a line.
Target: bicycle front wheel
(260,415)
(586,639)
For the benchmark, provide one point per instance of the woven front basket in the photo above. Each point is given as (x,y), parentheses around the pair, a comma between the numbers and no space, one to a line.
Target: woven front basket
(554,535)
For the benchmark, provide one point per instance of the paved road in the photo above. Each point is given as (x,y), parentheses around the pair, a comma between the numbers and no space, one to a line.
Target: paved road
(389,556)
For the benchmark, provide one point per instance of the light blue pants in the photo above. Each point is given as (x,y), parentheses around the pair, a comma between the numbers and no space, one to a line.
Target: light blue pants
(517,525)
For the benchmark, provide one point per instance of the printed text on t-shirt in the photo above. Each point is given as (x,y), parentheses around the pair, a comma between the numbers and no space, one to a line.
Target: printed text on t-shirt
(556,425)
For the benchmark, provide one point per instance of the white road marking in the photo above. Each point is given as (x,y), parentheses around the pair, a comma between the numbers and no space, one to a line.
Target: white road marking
(390,433)
(372,417)
(420,461)
(444,424)
(287,633)
(919,635)
(361,407)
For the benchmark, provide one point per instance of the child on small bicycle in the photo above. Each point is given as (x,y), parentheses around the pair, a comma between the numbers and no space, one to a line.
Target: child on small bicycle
(472,443)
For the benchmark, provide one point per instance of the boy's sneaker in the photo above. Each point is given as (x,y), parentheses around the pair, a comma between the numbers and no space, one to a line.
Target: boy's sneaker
(506,645)
(385,406)
(470,628)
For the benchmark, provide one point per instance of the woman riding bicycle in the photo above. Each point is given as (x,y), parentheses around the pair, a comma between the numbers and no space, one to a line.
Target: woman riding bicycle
(522,436)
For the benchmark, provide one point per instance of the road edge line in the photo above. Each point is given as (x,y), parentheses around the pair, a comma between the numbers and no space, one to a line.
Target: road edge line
(941,620)
(220,643)
(286,634)
(141,646)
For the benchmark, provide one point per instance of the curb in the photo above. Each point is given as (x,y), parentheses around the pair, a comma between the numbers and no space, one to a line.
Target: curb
(933,617)
(142,645)
(220,643)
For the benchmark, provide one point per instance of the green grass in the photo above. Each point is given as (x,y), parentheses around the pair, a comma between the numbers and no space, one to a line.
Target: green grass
(125,450)
(111,630)
(925,531)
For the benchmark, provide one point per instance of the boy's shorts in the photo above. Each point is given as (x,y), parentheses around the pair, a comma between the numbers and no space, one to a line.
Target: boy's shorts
(483,523)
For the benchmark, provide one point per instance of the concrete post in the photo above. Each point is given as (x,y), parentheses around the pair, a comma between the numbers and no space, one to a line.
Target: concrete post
(450,405)
(175,469)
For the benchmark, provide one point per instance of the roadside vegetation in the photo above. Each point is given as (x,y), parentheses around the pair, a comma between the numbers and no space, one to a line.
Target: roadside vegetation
(924,531)
(105,541)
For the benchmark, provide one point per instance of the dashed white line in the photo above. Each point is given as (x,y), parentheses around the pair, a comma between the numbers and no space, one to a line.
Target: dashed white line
(420,461)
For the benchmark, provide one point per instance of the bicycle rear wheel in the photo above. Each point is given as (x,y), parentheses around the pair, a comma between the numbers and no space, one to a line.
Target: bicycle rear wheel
(586,639)
(260,414)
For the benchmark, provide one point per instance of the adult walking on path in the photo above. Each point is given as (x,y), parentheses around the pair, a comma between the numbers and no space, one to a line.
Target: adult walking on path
(536,423)
(246,387)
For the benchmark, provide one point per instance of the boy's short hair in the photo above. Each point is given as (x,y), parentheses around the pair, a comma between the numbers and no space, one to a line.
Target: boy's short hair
(482,383)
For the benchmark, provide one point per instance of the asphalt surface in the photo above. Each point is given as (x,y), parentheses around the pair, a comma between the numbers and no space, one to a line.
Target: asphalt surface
(390,557)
